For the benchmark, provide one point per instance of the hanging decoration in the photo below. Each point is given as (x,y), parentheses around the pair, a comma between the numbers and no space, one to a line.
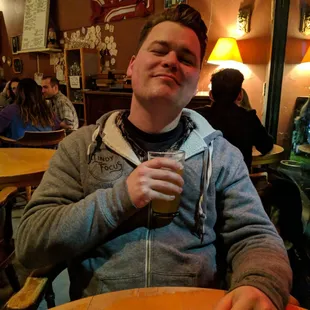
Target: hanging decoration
(104,11)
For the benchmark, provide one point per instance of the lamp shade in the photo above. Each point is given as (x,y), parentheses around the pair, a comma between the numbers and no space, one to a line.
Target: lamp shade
(307,56)
(225,50)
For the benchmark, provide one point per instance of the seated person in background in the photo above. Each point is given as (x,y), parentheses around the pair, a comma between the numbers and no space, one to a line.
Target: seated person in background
(61,105)
(8,95)
(29,112)
(92,208)
(245,101)
(240,127)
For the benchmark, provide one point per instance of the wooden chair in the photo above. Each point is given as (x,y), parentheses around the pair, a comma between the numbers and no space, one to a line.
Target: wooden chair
(37,138)
(49,139)
(6,240)
(37,285)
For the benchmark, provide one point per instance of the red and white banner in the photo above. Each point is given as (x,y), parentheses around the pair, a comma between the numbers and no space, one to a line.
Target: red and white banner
(104,11)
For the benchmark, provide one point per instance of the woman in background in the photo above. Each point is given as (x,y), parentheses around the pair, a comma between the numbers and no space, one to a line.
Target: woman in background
(29,112)
(245,101)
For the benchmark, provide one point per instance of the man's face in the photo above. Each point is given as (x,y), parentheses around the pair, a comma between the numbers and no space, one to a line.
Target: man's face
(47,89)
(14,87)
(167,66)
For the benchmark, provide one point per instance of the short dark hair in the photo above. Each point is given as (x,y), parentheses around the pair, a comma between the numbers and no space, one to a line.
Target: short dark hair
(52,79)
(226,85)
(184,15)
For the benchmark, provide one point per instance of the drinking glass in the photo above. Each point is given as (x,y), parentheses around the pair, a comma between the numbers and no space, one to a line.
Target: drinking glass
(162,208)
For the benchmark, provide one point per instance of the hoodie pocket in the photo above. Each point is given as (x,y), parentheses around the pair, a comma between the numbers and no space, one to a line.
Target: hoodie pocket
(120,283)
(164,279)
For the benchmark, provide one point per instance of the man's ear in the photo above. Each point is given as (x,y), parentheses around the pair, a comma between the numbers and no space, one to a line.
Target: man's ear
(130,66)
(211,95)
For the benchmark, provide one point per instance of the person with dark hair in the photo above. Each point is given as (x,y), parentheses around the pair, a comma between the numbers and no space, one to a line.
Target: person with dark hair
(61,105)
(241,127)
(8,95)
(93,206)
(29,112)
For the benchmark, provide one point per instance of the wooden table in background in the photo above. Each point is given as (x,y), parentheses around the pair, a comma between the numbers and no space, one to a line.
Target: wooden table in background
(23,166)
(274,156)
(305,148)
(160,298)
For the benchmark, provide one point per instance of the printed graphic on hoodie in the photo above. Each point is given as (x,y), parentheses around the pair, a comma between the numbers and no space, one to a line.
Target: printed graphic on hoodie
(106,166)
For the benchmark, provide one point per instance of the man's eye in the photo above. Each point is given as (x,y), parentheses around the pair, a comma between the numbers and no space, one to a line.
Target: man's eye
(159,52)
(187,61)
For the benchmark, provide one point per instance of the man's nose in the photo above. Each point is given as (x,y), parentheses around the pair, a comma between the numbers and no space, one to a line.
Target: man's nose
(171,61)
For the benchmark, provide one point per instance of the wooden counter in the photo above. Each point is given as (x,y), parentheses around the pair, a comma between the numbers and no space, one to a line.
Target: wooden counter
(101,102)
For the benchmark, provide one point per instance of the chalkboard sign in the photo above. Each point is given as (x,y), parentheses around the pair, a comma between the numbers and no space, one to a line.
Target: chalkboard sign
(36,19)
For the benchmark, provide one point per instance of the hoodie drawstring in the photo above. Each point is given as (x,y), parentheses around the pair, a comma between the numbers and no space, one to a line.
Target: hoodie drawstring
(95,144)
(205,181)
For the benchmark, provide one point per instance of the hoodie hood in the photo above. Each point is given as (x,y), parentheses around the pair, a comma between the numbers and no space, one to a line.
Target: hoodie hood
(106,131)
(199,141)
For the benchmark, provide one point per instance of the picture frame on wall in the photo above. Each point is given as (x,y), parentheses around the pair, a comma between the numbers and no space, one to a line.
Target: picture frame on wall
(304,24)
(173,3)
(15,44)
(17,65)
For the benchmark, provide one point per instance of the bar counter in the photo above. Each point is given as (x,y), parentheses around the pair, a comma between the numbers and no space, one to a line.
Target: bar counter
(101,102)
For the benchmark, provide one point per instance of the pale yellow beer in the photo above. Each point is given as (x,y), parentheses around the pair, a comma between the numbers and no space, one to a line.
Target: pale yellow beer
(164,208)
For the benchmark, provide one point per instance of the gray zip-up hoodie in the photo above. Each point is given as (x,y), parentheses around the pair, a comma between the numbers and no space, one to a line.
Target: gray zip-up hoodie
(81,213)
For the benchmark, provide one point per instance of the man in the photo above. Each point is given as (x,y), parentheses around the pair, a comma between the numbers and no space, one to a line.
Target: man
(62,106)
(8,95)
(92,208)
(242,128)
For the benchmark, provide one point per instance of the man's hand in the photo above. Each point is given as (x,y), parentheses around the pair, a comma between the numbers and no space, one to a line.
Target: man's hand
(152,179)
(64,125)
(245,298)
(6,88)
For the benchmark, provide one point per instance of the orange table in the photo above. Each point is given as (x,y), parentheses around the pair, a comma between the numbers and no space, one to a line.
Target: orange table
(274,156)
(23,166)
(161,298)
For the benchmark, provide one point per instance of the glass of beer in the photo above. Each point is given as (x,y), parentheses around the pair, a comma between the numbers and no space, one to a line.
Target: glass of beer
(162,208)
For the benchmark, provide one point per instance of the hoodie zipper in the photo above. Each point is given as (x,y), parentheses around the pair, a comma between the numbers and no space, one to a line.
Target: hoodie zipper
(148,250)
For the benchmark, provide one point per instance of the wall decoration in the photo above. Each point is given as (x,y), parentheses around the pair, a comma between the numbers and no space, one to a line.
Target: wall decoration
(111,10)
(17,65)
(98,37)
(15,44)
(172,3)
(304,25)
(244,20)
(9,61)
(52,39)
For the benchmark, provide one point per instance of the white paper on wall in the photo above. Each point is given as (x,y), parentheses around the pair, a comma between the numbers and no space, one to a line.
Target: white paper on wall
(74,81)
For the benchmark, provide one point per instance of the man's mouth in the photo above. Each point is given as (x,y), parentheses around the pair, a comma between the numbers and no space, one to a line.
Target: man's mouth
(168,76)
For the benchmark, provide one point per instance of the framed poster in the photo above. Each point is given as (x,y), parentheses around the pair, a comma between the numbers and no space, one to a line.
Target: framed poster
(172,3)
(36,18)
(15,44)
(17,65)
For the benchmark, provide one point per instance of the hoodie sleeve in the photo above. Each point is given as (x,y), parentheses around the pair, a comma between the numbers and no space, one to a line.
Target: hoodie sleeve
(60,222)
(256,252)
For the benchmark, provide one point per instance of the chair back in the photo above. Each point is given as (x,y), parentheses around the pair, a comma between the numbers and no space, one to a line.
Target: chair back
(37,138)
(6,233)
(41,138)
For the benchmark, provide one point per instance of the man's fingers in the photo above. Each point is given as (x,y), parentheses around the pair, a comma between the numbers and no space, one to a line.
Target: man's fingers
(166,175)
(225,303)
(163,162)
(165,187)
